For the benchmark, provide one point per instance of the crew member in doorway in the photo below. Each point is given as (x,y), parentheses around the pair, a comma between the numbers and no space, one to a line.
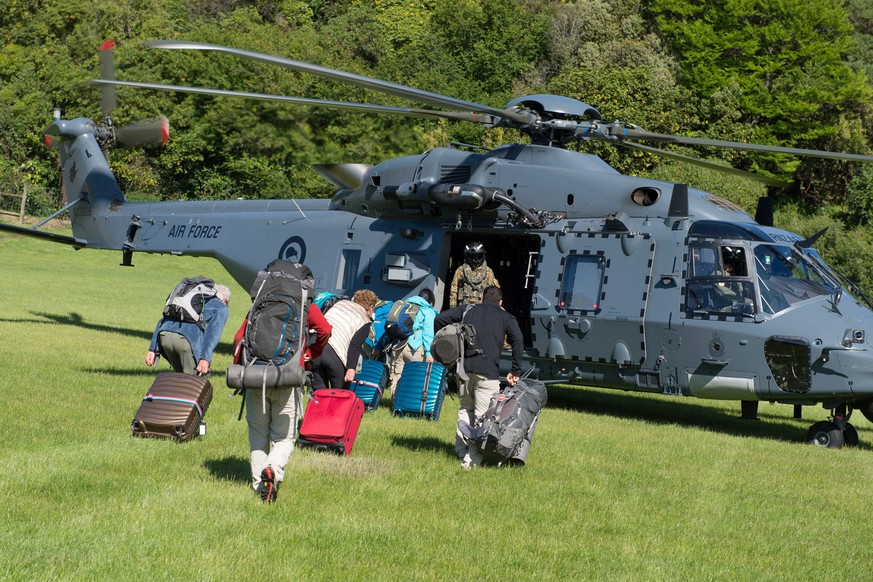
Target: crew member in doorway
(472,277)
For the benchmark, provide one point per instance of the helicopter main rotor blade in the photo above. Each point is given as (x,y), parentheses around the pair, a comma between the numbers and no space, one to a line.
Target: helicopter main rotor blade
(513,115)
(621,132)
(706,164)
(107,71)
(405,111)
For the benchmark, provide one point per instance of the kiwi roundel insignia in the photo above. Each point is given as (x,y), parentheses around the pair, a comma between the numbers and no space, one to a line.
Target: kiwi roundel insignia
(293,250)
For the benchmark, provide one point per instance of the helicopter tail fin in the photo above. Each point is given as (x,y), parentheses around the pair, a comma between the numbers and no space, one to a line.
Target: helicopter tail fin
(86,173)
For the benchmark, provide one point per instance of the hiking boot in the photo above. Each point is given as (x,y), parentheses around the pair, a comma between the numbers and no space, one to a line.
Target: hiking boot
(267,487)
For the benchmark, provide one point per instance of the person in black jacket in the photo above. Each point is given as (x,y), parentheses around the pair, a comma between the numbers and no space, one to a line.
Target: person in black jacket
(482,362)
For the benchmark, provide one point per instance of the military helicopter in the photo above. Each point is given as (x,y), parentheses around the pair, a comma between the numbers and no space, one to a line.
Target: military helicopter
(617,281)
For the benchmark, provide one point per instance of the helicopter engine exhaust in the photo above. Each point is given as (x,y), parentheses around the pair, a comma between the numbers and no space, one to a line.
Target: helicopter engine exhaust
(473,197)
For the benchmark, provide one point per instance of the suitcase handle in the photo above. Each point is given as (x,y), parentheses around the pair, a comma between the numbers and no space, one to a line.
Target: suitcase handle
(426,386)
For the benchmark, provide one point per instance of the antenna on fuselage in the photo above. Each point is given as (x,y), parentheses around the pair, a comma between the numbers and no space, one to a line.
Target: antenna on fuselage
(679,202)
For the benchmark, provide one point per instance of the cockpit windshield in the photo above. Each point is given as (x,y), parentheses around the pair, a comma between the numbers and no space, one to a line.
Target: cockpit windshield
(786,277)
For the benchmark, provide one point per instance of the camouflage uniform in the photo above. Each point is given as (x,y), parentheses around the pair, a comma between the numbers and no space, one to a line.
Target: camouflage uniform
(469,283)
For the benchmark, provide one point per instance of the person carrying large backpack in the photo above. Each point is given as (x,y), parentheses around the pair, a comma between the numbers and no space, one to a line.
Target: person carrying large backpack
(482,362)
(375,344)
(283,329)
(414,346)
(189,331)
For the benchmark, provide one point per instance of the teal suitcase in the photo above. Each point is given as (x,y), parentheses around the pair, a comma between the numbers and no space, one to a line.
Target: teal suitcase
(420,390)
(370,382)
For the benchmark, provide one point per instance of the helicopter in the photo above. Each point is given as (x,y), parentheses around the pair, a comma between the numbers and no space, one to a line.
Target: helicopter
(617,281)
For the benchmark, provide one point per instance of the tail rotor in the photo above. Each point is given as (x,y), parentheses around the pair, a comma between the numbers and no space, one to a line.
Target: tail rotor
(150,131)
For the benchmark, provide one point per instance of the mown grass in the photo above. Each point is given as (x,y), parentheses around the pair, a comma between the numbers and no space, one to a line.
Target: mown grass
(618,486)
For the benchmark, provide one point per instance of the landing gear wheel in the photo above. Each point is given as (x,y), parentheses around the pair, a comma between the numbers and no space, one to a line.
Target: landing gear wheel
(850,436)
(825,434)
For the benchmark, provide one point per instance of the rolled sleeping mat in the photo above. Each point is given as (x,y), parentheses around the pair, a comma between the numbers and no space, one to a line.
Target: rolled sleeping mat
(520,456)
(266,376)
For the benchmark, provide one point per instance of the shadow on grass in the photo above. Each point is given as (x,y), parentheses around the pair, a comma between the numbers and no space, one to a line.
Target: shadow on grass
(75,320)
(669,410)
(425,444)
(229,469)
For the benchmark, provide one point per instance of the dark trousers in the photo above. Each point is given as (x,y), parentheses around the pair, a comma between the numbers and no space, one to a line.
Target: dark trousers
(329,370)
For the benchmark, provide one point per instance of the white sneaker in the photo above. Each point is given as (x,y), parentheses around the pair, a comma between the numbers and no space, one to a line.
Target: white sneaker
(471,461)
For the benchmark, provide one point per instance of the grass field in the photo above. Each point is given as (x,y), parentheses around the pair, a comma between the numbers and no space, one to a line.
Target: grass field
(617,487)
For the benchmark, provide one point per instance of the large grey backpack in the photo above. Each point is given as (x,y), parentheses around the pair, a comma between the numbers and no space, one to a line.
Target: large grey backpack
(452,341)
(276,329)
(506,429)
(277,321)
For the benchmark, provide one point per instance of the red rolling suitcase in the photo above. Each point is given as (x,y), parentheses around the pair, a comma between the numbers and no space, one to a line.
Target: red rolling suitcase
(173,407)
(331,420)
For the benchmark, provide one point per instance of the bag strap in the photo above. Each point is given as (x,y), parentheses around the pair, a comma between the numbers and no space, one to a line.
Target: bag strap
(242,404)
(150,397)
(298,397)
(426,386)
(301,339)
(462,373)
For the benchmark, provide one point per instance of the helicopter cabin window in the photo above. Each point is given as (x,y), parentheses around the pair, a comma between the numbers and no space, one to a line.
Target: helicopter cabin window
(785,278)
(719,281)
(582,282)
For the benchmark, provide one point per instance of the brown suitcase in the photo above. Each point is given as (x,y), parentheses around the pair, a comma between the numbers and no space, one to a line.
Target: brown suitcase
(173,408)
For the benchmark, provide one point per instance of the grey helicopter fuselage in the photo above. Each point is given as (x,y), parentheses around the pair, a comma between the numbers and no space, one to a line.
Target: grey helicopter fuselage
(618,281)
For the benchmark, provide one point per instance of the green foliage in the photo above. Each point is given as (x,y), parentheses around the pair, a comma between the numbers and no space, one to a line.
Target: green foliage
(786,72)
(606,57)
(861,55)
(860,206)
(788,63)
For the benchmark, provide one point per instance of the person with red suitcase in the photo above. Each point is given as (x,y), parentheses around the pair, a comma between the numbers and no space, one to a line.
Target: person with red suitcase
(350,320)
(334,413)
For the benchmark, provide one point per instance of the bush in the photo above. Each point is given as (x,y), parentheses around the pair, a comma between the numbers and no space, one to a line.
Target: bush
(860,205)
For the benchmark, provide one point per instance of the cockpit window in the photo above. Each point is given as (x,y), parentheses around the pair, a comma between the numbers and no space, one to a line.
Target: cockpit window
(719,281)
(784,278)
(705,262)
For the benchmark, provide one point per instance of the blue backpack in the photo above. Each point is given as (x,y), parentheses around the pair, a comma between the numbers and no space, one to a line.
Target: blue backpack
(380,319)
(401,318)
